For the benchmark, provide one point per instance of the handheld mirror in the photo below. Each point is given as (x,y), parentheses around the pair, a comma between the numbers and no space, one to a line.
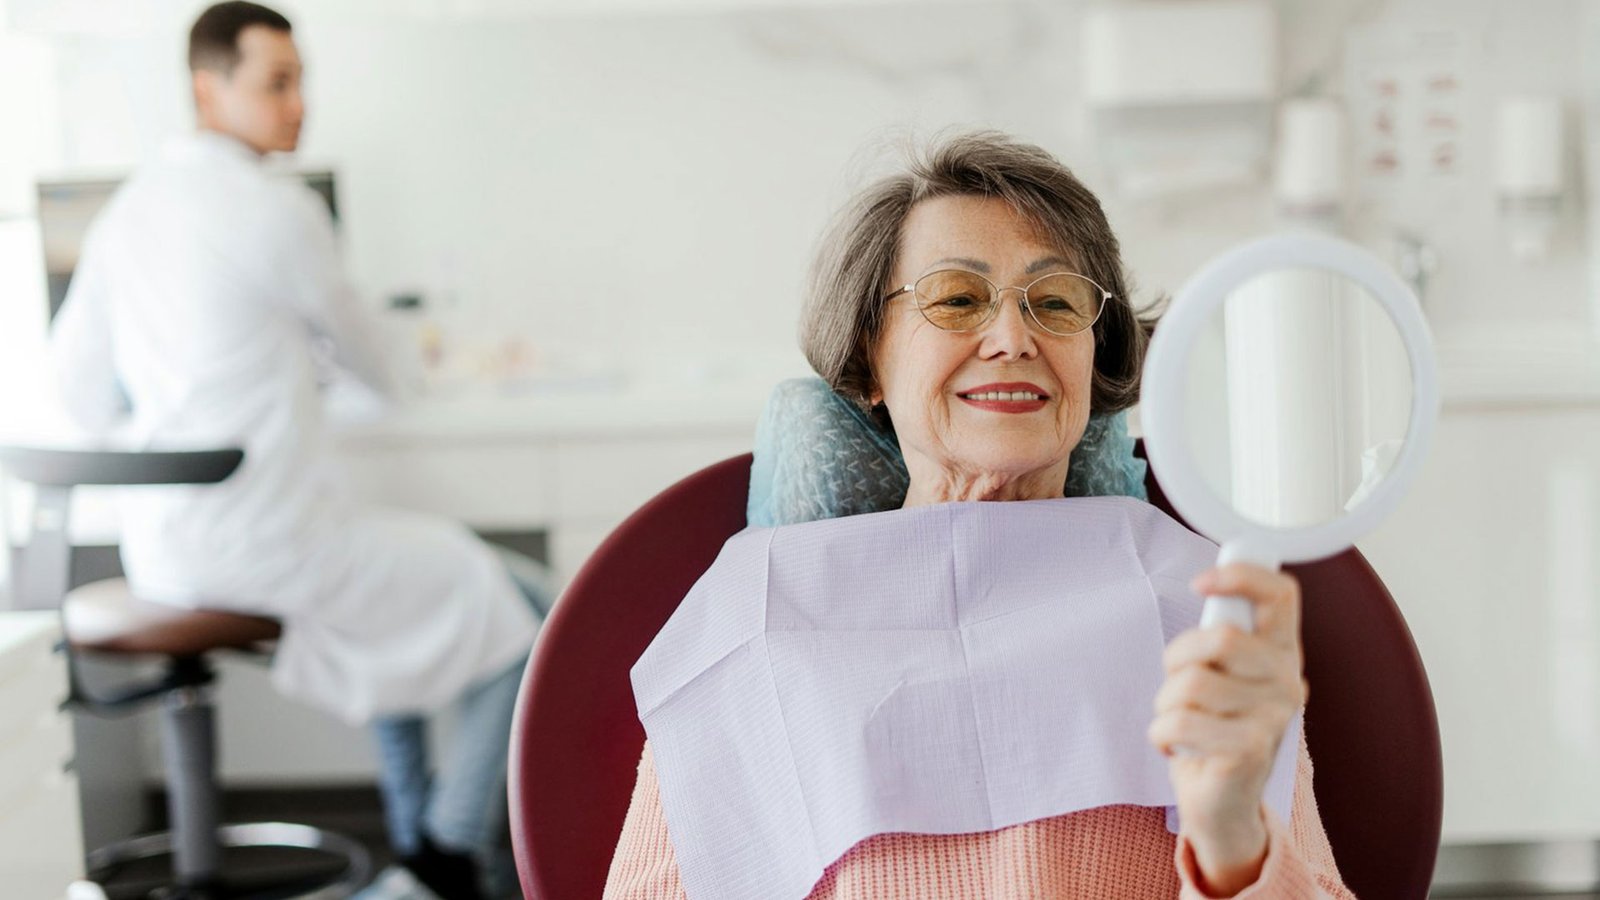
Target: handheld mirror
(1288,399)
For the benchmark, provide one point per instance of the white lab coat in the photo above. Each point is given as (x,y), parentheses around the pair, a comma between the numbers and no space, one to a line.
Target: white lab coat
(201,290)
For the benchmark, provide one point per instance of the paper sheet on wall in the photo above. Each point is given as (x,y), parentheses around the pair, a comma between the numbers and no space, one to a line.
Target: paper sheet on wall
(940,670)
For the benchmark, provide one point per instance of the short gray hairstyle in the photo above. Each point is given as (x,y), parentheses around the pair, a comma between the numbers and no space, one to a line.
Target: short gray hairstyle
(844,306)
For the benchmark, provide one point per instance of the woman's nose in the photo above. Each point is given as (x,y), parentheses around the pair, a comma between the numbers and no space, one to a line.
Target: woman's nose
(1008,333)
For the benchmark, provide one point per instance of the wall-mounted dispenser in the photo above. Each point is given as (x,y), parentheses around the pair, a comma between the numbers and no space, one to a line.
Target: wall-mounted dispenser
(1530,156)
(1180,94)
(1308,179)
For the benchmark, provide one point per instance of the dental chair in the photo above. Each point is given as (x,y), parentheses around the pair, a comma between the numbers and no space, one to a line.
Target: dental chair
(576,740)
(105,619)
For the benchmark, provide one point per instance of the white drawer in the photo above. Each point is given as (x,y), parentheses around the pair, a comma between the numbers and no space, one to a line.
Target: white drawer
(486,485)
(33,752)
(33,684)
(26,638)
(41,839)
(603,481)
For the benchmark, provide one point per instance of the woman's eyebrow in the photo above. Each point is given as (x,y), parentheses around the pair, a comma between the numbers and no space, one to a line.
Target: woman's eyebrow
(1047,262)
(975,264)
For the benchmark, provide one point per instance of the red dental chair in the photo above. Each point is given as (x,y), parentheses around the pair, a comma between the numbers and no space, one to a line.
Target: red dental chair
(576,740)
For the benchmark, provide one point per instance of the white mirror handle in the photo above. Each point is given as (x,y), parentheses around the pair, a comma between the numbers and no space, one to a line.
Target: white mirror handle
(1236,611)
(1222,610)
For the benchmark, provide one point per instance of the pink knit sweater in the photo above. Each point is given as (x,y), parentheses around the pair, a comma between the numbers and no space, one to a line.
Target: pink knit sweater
(1110,853)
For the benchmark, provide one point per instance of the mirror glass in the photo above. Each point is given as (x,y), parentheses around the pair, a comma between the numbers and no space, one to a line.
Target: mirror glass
(1298,397)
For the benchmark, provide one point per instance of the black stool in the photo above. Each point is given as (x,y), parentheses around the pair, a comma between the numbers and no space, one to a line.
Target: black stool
(105,617)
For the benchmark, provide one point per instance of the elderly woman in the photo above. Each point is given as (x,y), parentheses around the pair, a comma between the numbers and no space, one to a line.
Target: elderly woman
(977,305)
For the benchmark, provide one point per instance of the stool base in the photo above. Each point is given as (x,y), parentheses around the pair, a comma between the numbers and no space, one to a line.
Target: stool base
(264,835)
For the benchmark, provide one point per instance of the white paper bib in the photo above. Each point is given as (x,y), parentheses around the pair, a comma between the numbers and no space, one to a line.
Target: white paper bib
(939,670)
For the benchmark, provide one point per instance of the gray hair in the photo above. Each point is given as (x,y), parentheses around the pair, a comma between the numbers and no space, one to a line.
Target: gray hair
(844,308)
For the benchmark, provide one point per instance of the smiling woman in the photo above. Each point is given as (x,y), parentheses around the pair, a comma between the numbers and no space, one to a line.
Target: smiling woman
(977,222)
(972,699)
(864,253)
(953,393)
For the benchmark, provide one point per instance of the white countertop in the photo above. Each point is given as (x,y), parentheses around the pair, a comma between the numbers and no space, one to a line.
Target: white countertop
(598,412)
(654,397)
(1510,368)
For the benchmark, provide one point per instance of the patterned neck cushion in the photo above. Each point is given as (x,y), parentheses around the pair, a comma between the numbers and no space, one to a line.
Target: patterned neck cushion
(818,456)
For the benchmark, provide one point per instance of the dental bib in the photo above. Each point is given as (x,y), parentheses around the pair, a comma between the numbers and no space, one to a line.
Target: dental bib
(945,669)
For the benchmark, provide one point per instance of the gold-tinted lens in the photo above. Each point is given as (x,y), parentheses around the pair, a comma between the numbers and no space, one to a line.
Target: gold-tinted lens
(955,300)
(1063,303)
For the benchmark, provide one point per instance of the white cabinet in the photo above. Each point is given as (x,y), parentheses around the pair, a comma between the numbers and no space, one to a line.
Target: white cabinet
(41,842)
(575,490)
(573,468)
(1494,558)
(600,482)
(498,484)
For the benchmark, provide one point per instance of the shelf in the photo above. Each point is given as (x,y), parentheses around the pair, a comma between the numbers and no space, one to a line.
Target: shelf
(1529,367)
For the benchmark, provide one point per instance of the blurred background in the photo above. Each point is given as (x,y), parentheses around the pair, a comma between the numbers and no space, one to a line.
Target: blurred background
(586,225)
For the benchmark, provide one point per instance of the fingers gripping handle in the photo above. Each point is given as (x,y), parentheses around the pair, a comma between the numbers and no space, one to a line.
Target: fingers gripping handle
(1235,611)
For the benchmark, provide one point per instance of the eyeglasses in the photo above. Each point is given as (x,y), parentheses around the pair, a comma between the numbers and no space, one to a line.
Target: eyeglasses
(1061,303)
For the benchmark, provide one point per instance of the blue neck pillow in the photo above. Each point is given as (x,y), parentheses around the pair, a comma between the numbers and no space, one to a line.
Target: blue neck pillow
(818,456)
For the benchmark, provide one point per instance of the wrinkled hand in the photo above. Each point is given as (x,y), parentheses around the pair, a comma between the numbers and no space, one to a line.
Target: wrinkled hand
(1227,698)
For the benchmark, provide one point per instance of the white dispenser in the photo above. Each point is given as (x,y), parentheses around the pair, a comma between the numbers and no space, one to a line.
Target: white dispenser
(1180,94)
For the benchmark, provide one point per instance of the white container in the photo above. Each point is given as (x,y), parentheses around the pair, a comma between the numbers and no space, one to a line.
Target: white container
(1180,93)
(1192,51)
(1310,171)
(1529,147)
(1529,157)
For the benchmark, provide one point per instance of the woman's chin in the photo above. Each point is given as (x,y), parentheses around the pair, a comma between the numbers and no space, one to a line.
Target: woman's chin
(1007,466)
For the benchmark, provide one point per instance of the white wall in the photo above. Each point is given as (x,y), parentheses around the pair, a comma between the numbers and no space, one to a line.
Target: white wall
(613,186)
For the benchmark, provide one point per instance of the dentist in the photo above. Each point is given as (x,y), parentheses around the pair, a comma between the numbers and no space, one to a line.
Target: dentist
(192,321)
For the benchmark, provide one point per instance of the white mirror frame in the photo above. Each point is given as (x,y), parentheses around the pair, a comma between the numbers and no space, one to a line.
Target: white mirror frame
(1163,393)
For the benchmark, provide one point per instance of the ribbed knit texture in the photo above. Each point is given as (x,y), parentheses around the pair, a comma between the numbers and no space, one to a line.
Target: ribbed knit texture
(1121,852)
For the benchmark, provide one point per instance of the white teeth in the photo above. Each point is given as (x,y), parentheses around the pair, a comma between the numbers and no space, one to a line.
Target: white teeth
(1008,396)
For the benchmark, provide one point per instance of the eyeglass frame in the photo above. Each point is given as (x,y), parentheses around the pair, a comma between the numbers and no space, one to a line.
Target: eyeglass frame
(995,291)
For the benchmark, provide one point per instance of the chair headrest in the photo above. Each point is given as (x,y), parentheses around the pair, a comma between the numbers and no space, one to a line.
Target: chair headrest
(818,456)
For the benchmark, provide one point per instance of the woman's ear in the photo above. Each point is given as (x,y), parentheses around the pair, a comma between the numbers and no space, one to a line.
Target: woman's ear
(874,391)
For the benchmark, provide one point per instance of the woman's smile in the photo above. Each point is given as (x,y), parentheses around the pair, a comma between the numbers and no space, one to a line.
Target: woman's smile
(1006,397)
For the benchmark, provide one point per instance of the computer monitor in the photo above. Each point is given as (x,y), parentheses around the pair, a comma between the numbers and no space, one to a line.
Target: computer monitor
(68,207)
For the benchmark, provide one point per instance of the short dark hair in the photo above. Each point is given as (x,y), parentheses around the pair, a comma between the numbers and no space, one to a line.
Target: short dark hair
(844,309)
(214,39)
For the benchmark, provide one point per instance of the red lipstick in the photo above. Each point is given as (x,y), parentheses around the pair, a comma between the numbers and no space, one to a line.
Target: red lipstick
(1005,396)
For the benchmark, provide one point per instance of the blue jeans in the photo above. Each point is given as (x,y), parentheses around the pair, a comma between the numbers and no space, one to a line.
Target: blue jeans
(462,807)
